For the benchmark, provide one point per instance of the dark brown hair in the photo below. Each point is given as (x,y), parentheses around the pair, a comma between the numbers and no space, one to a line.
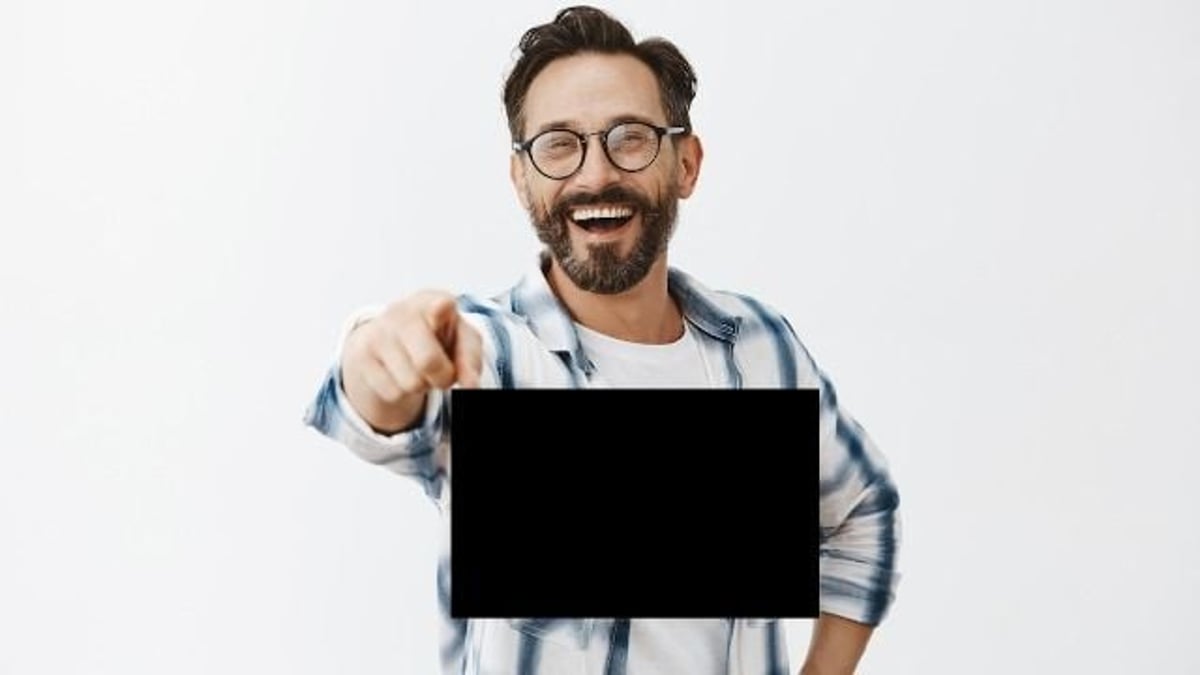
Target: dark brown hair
(582,29)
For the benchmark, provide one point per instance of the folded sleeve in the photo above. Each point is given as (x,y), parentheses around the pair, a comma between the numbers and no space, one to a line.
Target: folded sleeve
(417,453)
(859,516)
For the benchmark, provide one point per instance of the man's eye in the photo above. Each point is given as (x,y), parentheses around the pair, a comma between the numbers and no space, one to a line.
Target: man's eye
(635,139)
(558,146)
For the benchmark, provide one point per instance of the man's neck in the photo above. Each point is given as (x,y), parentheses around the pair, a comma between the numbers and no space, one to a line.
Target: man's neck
(645,313)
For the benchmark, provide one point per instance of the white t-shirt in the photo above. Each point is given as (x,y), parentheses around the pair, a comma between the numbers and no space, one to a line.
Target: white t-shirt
(661,646)
(677,365)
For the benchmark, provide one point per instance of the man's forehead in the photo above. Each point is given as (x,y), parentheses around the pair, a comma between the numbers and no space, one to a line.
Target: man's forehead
(593,89)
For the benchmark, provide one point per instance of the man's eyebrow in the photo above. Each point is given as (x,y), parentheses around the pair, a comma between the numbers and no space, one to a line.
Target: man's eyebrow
(612,121)
(557,124)
(622,119)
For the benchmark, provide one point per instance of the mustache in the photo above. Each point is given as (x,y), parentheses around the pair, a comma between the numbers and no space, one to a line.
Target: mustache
(614,194)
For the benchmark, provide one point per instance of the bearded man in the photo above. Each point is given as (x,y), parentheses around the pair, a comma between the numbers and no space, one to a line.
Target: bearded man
(602,150)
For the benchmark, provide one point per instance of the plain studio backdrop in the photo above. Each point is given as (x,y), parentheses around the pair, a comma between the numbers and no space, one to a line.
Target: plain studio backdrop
(982,218)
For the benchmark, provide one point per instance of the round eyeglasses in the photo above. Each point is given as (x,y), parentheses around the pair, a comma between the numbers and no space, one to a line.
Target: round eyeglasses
(630,146)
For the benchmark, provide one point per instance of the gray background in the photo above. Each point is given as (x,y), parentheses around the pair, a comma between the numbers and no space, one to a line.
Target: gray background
(983,219)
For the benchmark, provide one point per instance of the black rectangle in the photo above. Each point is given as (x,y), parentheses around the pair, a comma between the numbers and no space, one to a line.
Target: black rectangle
(668,503)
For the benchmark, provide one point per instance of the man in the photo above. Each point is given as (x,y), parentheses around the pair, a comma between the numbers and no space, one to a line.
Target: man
(602,151)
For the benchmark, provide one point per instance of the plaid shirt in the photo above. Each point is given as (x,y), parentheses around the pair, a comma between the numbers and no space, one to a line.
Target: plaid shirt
(530,341)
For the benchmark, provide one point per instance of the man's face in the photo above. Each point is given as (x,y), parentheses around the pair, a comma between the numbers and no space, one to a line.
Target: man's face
(605,227)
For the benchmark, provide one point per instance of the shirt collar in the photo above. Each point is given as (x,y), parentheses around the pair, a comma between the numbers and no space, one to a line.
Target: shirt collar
(533,299)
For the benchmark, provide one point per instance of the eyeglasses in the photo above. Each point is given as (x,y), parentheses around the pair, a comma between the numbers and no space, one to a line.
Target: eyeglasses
(630,146)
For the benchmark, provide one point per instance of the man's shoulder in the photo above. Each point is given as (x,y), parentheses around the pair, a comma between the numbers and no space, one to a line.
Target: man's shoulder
(748,310)
(495,310)
(528,301)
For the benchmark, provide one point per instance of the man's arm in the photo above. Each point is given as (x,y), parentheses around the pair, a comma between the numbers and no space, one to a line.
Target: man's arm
(384,397)
(860,535)
(836,646)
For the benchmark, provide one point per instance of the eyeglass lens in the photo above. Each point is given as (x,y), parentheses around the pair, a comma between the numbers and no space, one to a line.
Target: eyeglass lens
(559,153)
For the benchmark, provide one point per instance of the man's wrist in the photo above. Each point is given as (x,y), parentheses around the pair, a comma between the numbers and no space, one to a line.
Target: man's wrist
(815,669)
(836,646)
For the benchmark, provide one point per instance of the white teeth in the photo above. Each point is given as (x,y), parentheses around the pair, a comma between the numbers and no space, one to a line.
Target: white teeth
(592,212)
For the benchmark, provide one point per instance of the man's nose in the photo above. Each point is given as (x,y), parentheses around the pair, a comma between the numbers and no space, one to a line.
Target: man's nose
(597,171)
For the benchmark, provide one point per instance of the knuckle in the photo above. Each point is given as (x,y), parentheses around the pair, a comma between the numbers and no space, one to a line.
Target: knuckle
(383,386)
(430,363)
(407,381)
(443,380)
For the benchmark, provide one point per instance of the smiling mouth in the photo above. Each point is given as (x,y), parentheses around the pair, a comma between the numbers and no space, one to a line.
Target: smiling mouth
(601,218)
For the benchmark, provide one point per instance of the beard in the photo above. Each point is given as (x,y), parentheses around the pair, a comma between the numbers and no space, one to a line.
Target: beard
(603,269)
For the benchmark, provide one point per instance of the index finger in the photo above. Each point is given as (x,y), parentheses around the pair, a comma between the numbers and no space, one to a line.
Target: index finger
(441,315)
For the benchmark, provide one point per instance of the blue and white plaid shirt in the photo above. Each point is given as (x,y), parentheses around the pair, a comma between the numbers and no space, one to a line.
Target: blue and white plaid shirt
(530,341)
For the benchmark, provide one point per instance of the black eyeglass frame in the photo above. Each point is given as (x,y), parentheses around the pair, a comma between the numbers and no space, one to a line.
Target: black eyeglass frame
(659,131)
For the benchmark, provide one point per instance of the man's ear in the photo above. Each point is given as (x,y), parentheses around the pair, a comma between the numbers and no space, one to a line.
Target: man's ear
(689,155)
(516,173)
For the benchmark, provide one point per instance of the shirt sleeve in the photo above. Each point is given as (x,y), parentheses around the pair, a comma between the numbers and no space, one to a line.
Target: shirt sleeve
(859,509)
(415,453)
(859,516)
